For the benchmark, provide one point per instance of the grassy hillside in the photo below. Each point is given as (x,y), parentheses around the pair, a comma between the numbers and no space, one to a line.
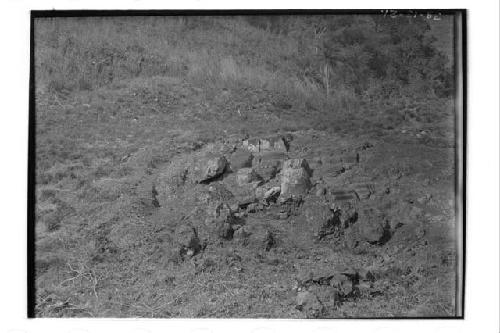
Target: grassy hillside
(121,100)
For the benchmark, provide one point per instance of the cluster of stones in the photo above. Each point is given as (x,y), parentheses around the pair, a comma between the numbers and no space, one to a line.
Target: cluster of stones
(258,173)
(317,290)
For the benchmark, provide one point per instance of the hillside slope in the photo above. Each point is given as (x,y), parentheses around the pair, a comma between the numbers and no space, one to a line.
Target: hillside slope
(118,194)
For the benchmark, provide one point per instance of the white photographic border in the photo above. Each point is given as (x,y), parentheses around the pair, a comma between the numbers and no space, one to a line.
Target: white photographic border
(482,232)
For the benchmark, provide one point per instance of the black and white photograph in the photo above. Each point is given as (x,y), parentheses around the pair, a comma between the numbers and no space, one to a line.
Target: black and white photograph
(291,164)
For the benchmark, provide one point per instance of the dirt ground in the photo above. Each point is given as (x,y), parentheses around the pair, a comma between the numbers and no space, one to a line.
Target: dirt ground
(123,220)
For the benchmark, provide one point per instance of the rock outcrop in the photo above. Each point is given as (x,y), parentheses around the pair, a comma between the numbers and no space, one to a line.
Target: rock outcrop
(295,178)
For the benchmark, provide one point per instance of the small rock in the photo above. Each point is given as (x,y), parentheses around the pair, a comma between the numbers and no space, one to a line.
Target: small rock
(283,215)
(272,194)
(320,192)
(212,168)
(309,303)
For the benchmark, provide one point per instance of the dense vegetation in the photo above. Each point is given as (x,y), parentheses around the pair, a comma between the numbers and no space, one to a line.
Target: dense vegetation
(314,61)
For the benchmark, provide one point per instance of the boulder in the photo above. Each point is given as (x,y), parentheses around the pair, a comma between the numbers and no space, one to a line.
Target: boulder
(371,228)
(210,168)
(295,178)
(246,175)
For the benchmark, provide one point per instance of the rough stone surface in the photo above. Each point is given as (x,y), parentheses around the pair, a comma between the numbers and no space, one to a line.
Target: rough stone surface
(370,228)
(272,194)
(322,219)
(295,178)
(240,159)
(252,145)
(210,168)
(246,175)
(273,143)
(220,220)
(309,303)
(266,172)
(373,227)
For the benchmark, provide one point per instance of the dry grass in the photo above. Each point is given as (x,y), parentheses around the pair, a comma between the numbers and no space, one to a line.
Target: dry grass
(119,98)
